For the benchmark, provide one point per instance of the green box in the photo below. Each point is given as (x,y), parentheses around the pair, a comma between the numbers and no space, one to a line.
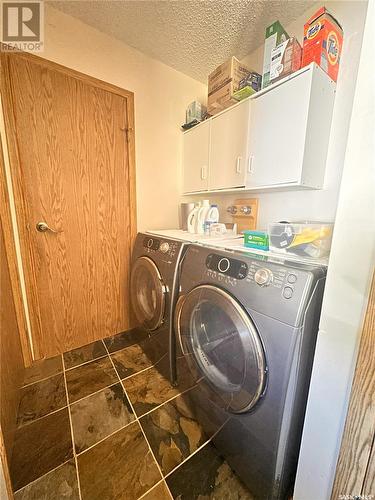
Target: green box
(241,94)
(256,239)
(275,34)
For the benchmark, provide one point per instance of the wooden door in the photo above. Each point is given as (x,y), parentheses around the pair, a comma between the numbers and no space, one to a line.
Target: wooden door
(355,472)
(71,146)
(196,158)
(228,150)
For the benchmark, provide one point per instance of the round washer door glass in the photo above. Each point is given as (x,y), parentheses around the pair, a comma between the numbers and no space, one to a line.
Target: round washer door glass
(221,338)
(147,293)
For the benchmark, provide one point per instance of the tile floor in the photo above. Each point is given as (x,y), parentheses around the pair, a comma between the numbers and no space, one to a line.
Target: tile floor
(102,423)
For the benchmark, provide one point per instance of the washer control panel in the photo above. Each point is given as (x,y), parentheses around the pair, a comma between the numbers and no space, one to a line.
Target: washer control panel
(225,265)
(167,248)
(279,277)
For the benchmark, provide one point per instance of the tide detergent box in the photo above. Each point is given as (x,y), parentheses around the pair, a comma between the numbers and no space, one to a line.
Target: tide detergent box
(322,42)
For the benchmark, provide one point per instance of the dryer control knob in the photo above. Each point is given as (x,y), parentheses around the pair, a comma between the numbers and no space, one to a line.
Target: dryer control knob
(263,277)
(164,247)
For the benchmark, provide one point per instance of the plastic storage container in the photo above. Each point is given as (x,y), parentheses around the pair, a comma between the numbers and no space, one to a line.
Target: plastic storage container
(305,239)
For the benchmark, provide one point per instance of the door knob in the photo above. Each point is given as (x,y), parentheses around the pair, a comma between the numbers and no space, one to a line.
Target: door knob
(43,227)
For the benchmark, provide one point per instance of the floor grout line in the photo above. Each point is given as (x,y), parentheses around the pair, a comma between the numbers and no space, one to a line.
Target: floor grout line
(21,426)
(43,475)
(72,433)
(135,416)
(155,486)
(41,380)
(164,476)
(104,438)
(144,369)
(197,450)
(71,403)
(45,378)
(85,363)
(139,425)
(167,401)
(187,458)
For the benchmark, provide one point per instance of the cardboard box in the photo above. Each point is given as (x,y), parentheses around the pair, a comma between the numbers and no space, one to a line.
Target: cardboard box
(195,111)
(256,239)
(248,86)
(223,82)
(285,59)
(322,42)
(275,34)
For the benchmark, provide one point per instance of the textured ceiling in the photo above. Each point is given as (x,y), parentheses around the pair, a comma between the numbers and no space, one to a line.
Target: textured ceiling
(192,36)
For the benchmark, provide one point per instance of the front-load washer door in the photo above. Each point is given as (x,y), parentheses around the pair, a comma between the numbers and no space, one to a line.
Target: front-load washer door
(148,293)
(221,343)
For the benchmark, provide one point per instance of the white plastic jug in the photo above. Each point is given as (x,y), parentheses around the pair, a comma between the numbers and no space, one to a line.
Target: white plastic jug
(213,214)
(201,217)
(212,217)
(192,219)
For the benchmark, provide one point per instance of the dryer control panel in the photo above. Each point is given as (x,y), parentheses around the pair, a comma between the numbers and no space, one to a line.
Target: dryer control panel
(226,265)
(155,245)
(278,277)
(274,288)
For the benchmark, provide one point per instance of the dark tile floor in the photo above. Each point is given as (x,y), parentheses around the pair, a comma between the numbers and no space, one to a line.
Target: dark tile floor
(102,423)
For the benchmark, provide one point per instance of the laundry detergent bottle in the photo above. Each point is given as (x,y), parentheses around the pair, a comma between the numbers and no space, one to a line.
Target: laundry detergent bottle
(212,217)
(201,217)
(192,219)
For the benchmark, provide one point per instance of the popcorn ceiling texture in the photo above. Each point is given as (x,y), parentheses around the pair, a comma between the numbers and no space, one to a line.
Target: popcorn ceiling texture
(191,36)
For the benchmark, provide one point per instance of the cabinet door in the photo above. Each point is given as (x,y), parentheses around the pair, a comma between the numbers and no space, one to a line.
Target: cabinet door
(277,133)
(228,151)
(195,158)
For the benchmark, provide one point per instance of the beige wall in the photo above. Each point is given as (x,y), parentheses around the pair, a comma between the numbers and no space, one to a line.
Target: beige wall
(317,205)
(161,96)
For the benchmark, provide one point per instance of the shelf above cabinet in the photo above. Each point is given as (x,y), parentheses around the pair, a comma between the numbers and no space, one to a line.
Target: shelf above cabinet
(258,189)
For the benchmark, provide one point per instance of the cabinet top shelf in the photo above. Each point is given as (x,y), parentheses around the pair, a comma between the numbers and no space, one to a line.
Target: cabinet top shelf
(311,67)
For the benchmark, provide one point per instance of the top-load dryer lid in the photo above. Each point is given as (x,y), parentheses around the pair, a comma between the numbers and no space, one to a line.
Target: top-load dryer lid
(219,335)
(148,293)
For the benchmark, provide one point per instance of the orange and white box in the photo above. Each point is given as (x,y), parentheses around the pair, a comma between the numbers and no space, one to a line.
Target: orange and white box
(322,42)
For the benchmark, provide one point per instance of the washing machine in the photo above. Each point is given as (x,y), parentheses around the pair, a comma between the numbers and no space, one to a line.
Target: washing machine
(247,326)
(153,290)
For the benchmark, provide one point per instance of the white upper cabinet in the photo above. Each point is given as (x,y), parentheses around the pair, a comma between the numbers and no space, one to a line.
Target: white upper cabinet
(276,139)
(196,158)
(228,148)
(289,132)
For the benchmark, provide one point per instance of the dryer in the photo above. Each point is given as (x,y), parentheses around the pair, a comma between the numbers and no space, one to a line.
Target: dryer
(247,326)
(153,291)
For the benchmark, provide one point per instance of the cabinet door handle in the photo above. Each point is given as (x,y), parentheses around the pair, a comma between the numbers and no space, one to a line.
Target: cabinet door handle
(203,173)
(238,165)
(250,164)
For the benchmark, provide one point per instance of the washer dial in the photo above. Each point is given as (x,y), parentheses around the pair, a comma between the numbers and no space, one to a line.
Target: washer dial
(164,247)
(263,277)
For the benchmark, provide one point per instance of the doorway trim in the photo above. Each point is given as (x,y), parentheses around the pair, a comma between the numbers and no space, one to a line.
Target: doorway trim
(358,442)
